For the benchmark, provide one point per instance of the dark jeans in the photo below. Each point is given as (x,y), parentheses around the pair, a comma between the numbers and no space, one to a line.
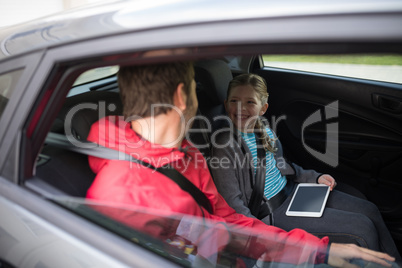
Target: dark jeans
(345,216)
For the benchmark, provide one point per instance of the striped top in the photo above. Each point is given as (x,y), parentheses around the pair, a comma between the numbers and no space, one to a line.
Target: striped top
(274,181)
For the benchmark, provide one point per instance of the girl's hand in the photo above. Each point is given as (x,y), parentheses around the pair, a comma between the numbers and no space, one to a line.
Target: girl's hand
(327,180)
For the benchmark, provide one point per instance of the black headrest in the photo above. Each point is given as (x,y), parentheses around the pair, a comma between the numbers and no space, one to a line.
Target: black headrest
(79,112)
(213,77)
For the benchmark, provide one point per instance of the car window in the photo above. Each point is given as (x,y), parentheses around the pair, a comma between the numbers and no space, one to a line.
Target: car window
(153,231)
(384,67)
(8,82)
(96,74)
(186,240)
(108,83)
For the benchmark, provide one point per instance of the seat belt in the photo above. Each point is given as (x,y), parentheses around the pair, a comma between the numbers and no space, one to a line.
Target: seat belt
(262,209)
(258,188)
(182,181)
(107,153)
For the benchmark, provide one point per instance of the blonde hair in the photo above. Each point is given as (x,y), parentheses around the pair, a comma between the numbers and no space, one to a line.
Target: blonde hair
(259,85)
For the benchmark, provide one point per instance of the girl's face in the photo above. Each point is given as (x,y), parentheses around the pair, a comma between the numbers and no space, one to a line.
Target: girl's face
(244,106)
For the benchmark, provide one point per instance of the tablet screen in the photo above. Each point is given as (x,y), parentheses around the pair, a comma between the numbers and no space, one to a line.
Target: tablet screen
(308,200)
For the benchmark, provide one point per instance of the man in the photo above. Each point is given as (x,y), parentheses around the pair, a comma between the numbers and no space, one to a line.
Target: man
(158,102)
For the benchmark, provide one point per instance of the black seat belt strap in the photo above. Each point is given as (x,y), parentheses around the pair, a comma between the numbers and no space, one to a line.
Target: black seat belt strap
(187,186)
(182,181)
(258,188)
(103,152)
(256,205)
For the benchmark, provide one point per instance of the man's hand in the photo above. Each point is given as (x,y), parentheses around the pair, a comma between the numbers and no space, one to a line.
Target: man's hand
(327,180)
(340,254)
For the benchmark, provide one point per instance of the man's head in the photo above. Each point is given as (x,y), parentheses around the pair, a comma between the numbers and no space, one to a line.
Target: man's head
(142,86)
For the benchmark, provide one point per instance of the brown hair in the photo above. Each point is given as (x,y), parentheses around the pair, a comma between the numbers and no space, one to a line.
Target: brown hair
(260,86)
(141,86)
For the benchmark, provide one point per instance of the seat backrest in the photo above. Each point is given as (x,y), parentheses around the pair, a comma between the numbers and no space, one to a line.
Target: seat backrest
(212,78)
(79,112)
(67,171)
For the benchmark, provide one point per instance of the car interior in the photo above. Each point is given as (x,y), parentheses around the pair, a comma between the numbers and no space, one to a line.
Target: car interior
(369,114)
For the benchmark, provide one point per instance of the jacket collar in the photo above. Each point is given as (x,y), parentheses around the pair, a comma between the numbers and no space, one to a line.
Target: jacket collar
(115,133)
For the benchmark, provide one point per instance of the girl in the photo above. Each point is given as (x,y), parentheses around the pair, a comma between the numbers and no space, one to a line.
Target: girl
(345,218)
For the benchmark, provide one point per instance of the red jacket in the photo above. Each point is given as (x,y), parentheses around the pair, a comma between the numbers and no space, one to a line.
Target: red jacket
(125,183)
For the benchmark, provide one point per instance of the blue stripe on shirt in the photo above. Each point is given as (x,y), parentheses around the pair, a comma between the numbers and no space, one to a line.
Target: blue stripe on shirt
(274,181)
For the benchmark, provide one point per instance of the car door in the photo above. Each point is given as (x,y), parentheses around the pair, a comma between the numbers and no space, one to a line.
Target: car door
(345,126)
(15,74)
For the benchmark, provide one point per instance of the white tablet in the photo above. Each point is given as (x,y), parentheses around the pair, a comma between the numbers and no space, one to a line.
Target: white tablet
(308,200)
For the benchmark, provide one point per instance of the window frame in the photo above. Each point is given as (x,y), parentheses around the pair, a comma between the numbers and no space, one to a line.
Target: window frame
(15,110)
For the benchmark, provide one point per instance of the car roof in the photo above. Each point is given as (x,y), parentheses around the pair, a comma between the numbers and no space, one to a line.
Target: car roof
(123,16)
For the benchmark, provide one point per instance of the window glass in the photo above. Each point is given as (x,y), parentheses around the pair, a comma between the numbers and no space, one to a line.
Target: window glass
(192,241)
(96,74)
(386,68)
(8,82)
(183,239)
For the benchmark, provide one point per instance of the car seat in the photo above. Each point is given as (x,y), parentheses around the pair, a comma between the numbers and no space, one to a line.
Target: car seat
(65,170)
(79,112)
(212,78)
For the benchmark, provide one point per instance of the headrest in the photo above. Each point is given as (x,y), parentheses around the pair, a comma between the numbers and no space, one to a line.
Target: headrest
(79,112)
(213,77)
